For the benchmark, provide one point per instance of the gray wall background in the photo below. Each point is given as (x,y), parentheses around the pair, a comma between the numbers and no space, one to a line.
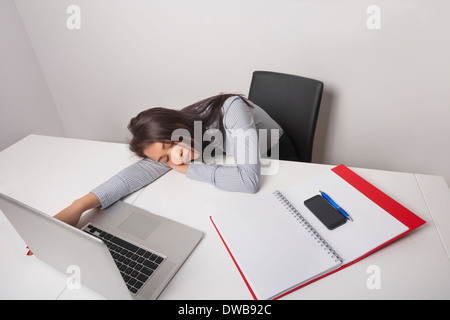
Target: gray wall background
(386,103)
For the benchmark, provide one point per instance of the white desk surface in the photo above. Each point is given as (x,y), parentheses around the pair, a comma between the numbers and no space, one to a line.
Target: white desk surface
(48,173)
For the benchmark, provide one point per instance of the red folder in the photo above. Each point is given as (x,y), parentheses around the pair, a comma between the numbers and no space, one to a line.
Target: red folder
(395,209)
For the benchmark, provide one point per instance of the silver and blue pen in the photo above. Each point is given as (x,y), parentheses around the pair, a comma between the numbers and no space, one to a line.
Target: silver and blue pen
(335,205)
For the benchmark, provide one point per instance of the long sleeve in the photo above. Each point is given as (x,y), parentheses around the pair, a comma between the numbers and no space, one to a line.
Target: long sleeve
(129,180)
(241,141)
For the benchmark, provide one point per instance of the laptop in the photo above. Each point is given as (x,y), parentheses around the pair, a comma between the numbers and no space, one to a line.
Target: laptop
(123,252)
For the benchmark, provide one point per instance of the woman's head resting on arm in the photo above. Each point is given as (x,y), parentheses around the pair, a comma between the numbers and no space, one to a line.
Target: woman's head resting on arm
(176,136)
(154,131)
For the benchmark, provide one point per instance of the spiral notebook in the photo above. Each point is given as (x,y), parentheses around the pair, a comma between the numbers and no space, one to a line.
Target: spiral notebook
(279,245)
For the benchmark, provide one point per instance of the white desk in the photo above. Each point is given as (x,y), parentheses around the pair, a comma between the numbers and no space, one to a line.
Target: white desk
(49,173)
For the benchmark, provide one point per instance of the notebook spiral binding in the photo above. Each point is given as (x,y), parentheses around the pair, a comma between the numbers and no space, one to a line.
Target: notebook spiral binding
(307,226)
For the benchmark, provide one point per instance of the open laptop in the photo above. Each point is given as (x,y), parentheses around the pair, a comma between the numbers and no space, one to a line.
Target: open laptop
(123,252)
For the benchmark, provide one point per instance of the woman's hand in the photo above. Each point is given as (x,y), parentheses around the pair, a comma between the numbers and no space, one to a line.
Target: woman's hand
(179,167)
(72,214)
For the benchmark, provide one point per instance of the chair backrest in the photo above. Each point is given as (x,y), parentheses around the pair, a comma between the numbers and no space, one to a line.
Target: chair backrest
(293,102)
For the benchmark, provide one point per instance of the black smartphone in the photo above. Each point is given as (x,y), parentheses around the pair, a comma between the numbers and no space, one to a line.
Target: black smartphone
(325,212)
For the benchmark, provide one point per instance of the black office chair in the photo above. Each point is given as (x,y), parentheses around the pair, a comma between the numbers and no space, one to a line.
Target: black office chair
(293,102)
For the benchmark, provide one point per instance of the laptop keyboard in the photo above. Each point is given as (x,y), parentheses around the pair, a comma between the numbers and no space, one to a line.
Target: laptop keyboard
(136,265)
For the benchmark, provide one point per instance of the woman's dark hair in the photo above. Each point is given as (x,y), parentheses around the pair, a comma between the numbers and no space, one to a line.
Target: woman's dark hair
(158,124)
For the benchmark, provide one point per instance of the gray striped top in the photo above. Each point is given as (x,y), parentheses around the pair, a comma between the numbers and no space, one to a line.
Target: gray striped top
(242,139)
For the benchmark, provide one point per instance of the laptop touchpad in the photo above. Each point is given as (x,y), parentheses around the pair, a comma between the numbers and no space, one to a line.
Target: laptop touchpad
(139,225)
